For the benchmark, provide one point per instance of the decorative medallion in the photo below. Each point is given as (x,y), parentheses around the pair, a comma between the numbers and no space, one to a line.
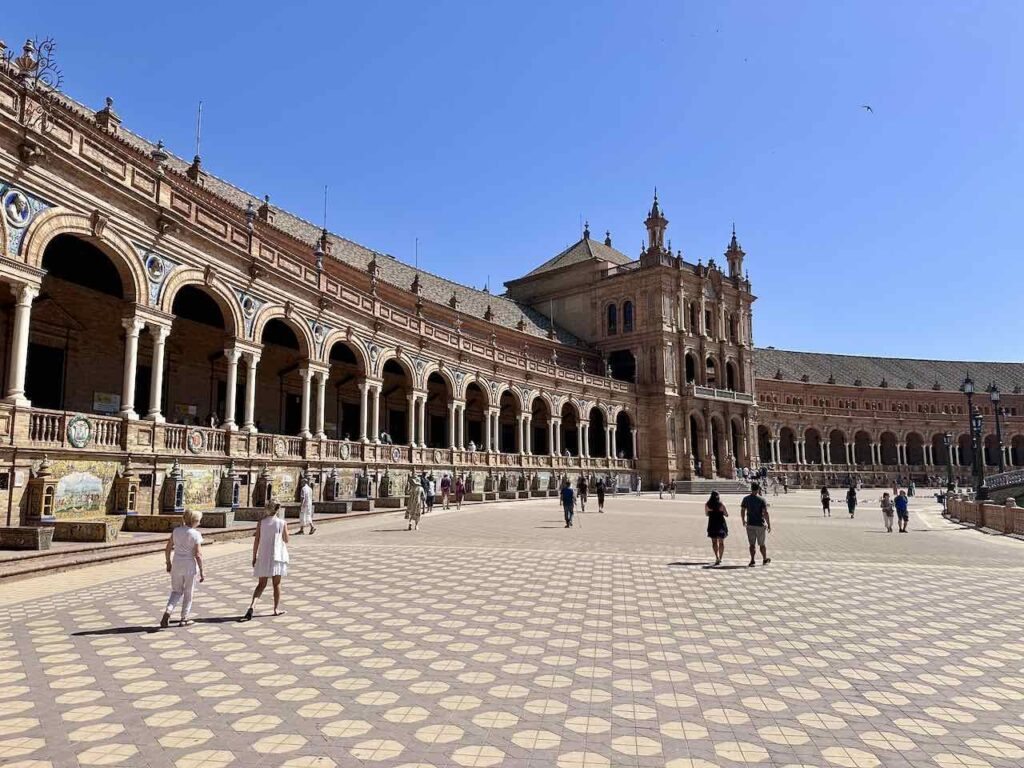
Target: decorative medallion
(280,446)
(17,210)
(155,268)
(79,431)
(319,332)
(248,306)
(345,451)
(195,440)
(396,454)
(437,456)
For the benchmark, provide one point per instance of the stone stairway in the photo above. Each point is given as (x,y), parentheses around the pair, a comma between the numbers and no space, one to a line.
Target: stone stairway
(705,487)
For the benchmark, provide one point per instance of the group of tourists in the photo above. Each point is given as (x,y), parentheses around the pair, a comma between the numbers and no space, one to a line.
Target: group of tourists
(422,493)
(184,560)
(898,503)
(755,519)
(570,497)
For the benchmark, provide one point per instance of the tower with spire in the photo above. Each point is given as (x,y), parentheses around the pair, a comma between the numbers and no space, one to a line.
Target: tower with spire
(734,256)
(656,224)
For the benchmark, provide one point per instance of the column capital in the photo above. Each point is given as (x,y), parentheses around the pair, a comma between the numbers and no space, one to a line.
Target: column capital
(232,354)
(158,331)
(24,293)
(132,324)
(251,357)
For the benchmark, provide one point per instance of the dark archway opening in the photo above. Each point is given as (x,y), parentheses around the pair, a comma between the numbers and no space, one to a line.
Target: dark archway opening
(623,365)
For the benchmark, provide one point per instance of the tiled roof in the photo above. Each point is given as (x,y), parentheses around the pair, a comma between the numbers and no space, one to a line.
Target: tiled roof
(584,249)
(897,373)
(505,311)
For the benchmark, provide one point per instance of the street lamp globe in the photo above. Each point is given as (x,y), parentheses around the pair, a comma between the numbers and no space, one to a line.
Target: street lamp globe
(968,386)
(993,393)
(977,421)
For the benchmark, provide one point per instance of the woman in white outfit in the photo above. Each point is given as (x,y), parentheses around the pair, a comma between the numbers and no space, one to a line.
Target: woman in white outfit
(186,544)
(269,558)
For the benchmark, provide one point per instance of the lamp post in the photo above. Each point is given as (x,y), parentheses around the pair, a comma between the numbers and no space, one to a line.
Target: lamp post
(947,441)
(993,393)
(977,424)
(968,389)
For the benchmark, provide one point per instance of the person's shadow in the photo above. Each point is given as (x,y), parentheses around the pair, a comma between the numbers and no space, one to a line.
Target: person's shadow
(149,630)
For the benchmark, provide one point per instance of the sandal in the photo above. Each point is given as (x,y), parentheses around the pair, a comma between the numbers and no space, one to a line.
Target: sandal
(165,621)
(248,615)
(186,622)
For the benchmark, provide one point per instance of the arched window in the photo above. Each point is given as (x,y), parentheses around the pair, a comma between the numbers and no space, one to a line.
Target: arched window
(613,319)
(627,317)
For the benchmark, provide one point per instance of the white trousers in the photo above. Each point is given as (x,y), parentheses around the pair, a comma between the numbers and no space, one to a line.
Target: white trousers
(305,516)
(183,583)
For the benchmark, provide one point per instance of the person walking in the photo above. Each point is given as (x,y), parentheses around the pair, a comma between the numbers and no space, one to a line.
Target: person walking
(661,489)
(887,509)
(639,484)
(826,502)
(567,502)
(269,558)
(460,491)
(902,504)
(672,489)
(582,491)
(431,491)
(185,543)
(718,529)
(785,484)
(415,502)
(755,518)
(851,500)
(600,489)
(306,508)
(446,489)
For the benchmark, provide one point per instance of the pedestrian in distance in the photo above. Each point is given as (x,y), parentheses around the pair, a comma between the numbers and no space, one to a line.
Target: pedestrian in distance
(599,489)
(672,489)
(887,510)
(431,492)
(755,518)
(582,491)
(567,502)
(460,492)
(718,528)
(902,504)
(416,501)
(851,500)
(826,502)
(785,484)
(639,484)
(661,489)
(185,544)
(306,508)
(446,489)
(269,558)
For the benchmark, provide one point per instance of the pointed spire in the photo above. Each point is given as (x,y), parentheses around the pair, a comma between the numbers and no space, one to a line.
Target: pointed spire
(586,231)
(608,238)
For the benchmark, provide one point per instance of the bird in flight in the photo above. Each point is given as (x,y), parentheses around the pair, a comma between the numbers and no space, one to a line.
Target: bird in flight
(868,108)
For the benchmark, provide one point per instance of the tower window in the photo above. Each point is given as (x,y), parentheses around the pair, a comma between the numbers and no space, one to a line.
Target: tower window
(627,317)
(613,319)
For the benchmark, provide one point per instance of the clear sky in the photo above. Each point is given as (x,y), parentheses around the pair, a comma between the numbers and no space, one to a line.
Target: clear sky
(488,130)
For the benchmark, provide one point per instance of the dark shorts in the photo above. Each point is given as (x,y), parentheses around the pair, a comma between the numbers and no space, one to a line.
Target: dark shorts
(905,515)
(718,533)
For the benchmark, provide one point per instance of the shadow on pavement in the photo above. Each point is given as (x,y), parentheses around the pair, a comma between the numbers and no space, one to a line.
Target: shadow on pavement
(116,631)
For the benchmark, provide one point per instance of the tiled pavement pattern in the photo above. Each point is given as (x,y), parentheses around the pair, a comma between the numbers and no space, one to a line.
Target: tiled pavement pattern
(495,637)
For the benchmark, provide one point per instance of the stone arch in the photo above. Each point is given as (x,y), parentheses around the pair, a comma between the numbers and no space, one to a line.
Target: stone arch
(915,449)
(299,328)
(624,432)
(689,367)
(574,406)
(353,344)
(60,221)
(1017,450)
(837,447)
(216,289)
(481,382)
(888,452)
(787,446)
(3,238)
(813,451)
(697,433)
(738,441)
(862,448)
(445,373)
(764,444)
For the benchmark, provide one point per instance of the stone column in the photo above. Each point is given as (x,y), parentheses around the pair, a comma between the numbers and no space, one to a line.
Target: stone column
(451,424)
(613,449)
(307,377)
(321,397)
(800,452)
(412,418)
(586,440)
(461,423)
(375,412)
(826,453)
(633,435)
(251,361)
(579,438)
(156,381)
(132,326)
(24,295)
(231,388)
(488,444)
(875,454)
(363,409)
(552,447)
(422,414)
(527,433)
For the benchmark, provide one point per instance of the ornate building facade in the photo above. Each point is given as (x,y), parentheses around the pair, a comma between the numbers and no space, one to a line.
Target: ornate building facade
(163,325)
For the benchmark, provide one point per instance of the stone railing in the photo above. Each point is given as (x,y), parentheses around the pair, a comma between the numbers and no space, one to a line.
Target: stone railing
(85,433)
(1004,518)
(711,393)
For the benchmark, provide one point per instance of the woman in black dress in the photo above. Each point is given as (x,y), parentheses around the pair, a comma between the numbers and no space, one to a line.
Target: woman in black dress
(718,529)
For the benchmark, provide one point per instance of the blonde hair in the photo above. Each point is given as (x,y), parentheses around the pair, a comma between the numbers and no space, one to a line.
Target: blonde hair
(192,517)
(272,511)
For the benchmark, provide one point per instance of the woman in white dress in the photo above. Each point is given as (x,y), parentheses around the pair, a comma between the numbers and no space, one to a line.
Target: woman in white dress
(416,501)
(269,558)
(186,544)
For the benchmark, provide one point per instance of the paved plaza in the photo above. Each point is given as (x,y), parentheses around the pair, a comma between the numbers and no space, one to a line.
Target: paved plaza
(496,637)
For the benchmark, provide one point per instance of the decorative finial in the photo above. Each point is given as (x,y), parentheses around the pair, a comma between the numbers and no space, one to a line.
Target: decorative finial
(586,231)
(608,238)
(250,216)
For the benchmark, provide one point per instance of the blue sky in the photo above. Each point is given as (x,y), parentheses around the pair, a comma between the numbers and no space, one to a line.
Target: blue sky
(489,130)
